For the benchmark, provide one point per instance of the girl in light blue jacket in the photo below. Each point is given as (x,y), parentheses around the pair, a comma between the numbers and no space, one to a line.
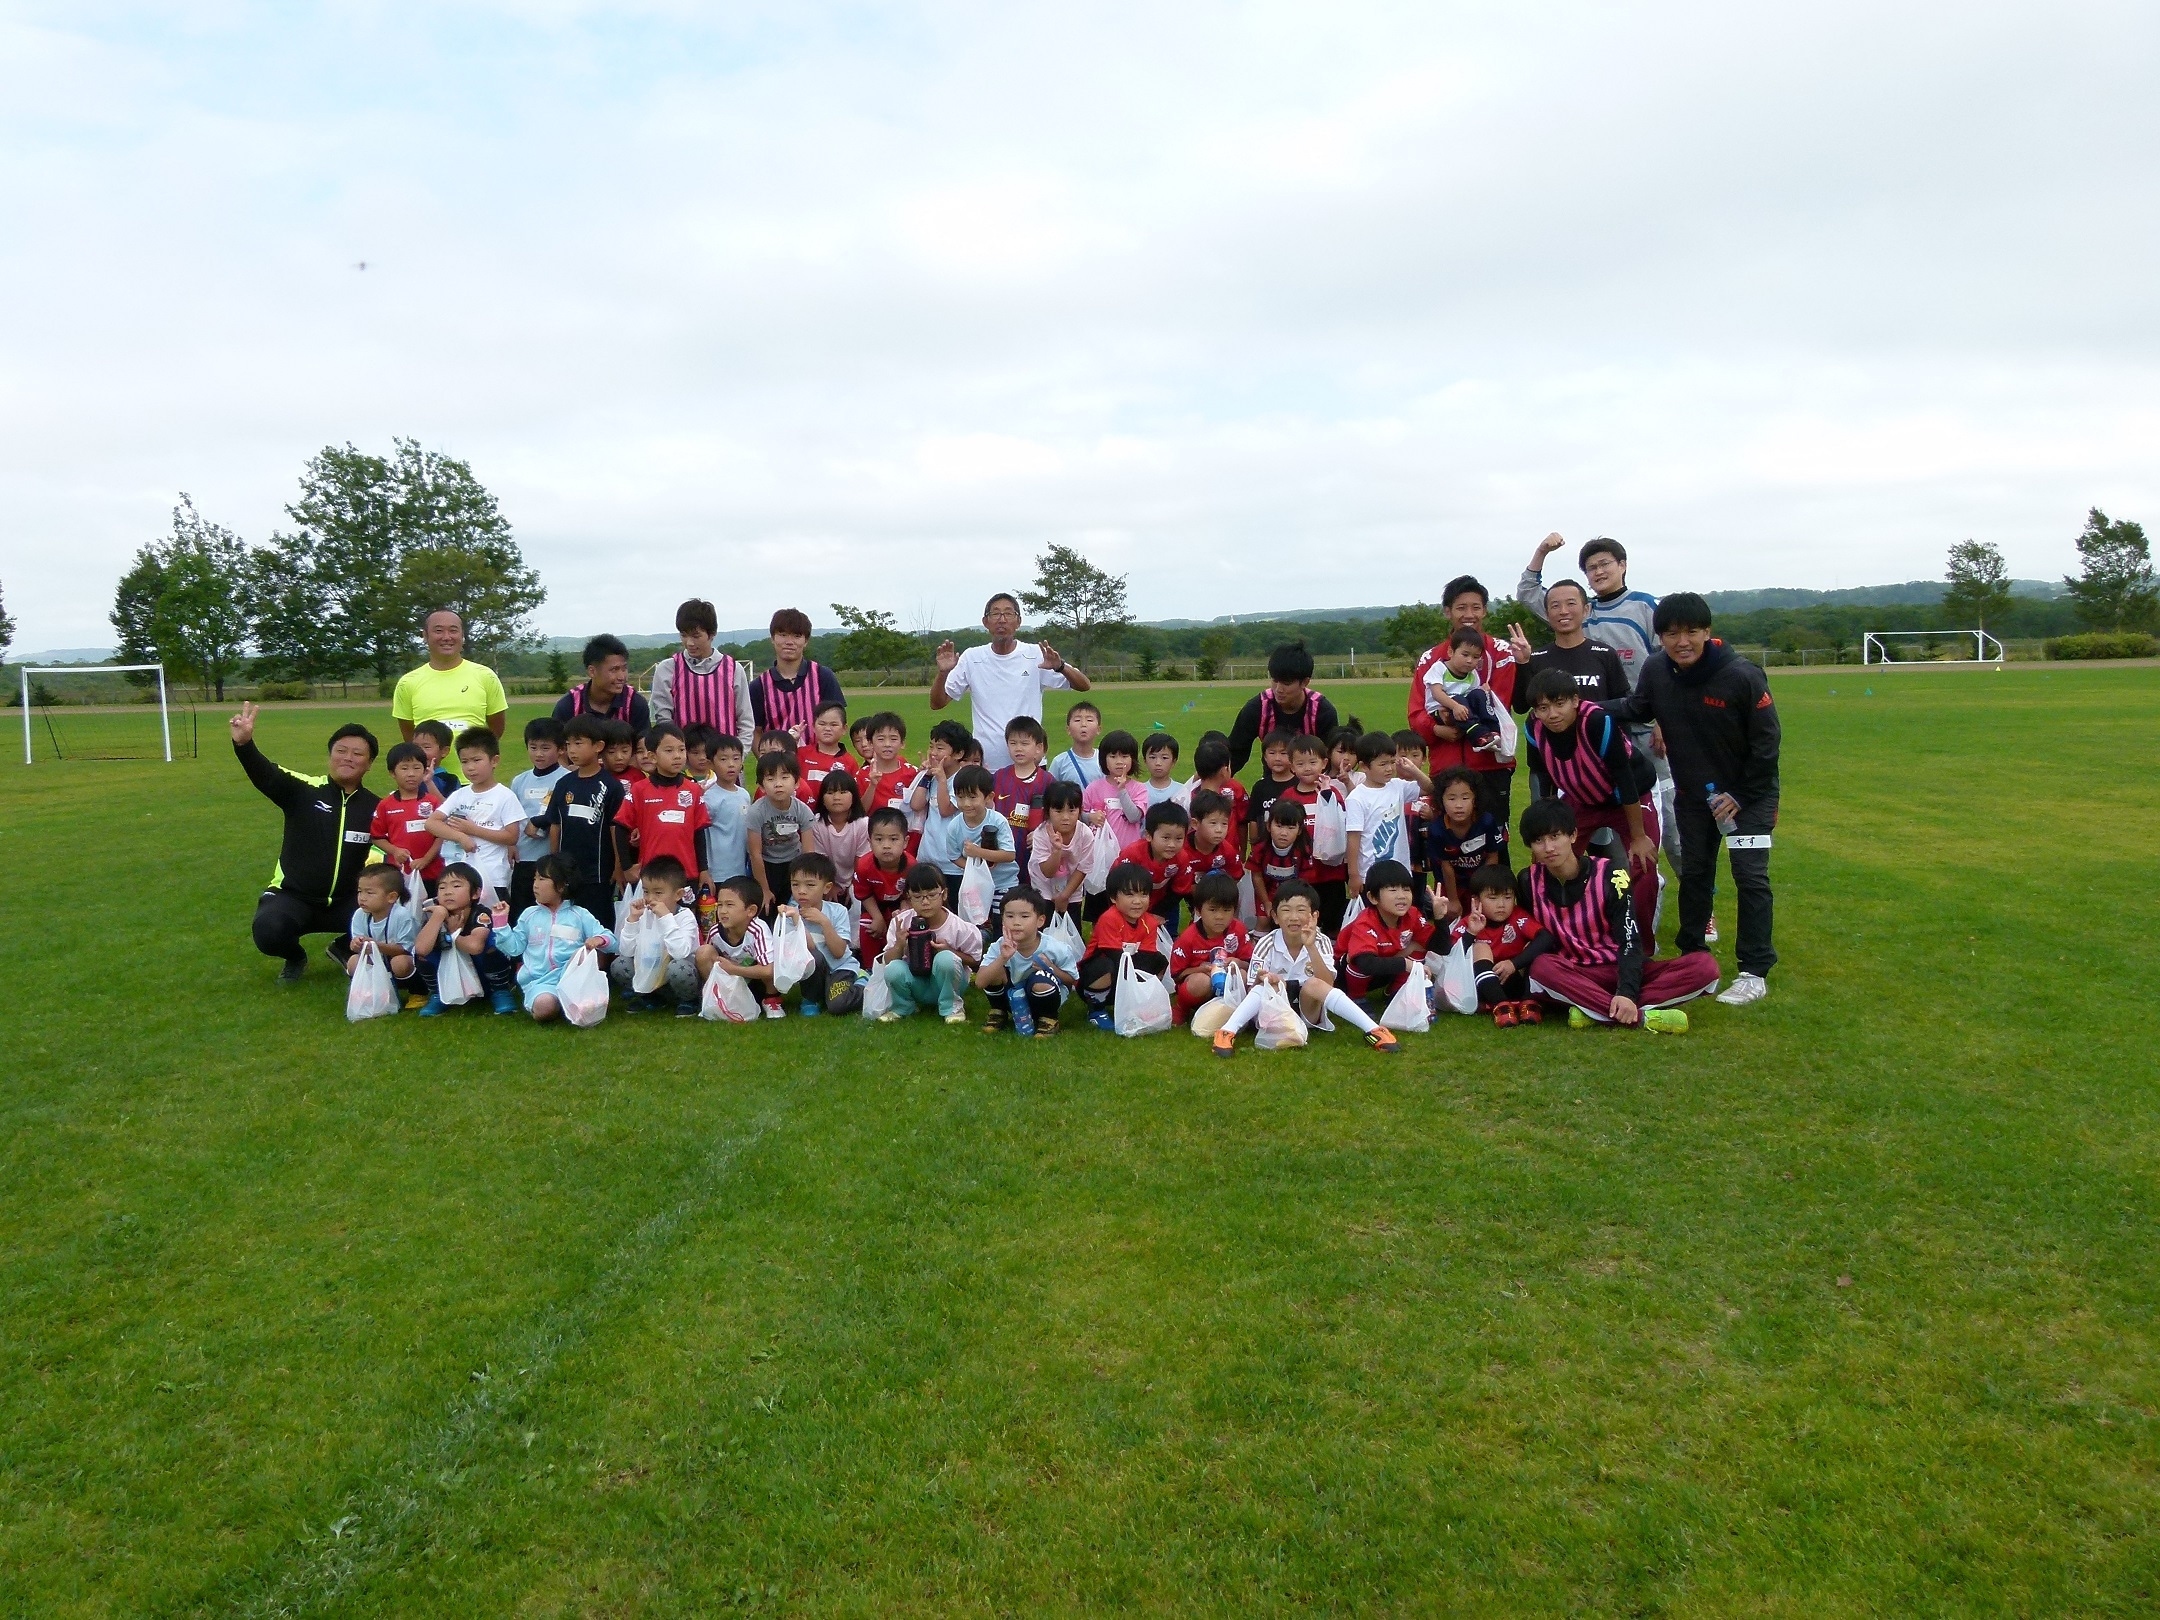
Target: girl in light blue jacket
(548,935)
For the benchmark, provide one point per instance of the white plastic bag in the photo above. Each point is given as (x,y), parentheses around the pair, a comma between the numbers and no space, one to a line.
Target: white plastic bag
(414,905)
(791,960)
(372,992)
(1410,1008)
(624,901)
(457,980)
(1142,1005)
(1458,979)
(1350,913)
(1279,1023)
(1330,838)
(1208,1019)
(1248,904)
(727,998)
(583,990)
(1101,859)
(977,889)
(648,968)
(1065,930)
(876,993)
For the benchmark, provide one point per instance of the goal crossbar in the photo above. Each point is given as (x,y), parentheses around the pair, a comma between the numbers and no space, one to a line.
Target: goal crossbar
(1873,651)
(164,712)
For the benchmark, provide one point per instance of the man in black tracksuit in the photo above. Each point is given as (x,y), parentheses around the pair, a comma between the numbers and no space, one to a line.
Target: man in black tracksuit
(1720,728)
(325,845)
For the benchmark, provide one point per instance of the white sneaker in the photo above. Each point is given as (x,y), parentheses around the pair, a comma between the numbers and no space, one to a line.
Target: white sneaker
(1746,990)
(1709,933)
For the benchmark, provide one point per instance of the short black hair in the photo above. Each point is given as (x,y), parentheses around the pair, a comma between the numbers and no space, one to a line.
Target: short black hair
(1297,889)
(1026,725)
(973,779)
(1374,744)
(1290,663)
(1306,743)
(888,818)
(1492,878)
(1406,739)
(561,871)
(1211,755)
(601,648)
(1463,585)
(1207,802)
(837,778)
(1345,735)
(1118,742)
(810,863)
(1167,814)
(1129,877)
(700,738)
(789,622)
(1602,543)
(744,888)
(923,878)
(1278,738)
(952,734)
(697,614)
(774,763)
(1085,703)
(1549,686)
(619,734)
(1159,742)
(1216,889)
(383,874)
(657,734)
(819,712)
(1683,610)
(1062,795)
(1464,636)
(1574,585)
(1387,875)
(724,742)
(1546,817)
(478,739)
(428,728)
(587,728)
(545,728)
(1286,813)
(1452,775)
(664,870)
(1022,895)
(886,720)
(401,752)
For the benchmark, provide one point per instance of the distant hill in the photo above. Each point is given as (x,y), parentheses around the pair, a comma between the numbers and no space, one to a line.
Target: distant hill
(1913,593)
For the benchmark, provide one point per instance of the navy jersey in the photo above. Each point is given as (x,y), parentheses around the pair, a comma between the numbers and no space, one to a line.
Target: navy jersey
(1473,847)
(584,808)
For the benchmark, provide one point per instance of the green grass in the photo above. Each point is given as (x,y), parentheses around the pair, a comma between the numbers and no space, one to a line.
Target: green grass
(1841,1305)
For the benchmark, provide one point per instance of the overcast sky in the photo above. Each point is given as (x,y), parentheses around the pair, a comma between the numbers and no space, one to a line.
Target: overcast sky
(1263,305)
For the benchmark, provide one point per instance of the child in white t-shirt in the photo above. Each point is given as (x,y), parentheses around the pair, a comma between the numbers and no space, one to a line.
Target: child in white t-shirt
(483,818)
(1377,814)
(1456,696)
(1298,959)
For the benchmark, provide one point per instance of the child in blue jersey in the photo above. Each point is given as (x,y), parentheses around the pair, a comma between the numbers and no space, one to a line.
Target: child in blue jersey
(979,833)
(1026,970)
(835,981)
(727,804)
(534,788)
(931,806)
(553,931)
(379,919)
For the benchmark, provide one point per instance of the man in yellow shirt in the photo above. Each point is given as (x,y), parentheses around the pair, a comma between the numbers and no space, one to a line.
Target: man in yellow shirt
(448,688)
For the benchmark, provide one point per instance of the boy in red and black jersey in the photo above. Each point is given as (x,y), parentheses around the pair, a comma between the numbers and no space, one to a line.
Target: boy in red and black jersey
(1280,853)
(1214,940)
(881,878)
(1498,932)
(663,814)
(399,827)
(1161,855)
(1311,788)
(1211,770)
(1210,846)
(1128,922)
(1377,946)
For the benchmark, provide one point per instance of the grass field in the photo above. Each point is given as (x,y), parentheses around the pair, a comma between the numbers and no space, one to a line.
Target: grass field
(1843,1304)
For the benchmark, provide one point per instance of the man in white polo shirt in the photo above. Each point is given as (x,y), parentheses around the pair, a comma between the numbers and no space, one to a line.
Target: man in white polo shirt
(1005,679)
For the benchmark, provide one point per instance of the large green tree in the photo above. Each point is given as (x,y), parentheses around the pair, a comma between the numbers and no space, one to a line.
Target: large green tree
(1979,585)
(1082,606)
(873,640)
(2117,589)
(186,602)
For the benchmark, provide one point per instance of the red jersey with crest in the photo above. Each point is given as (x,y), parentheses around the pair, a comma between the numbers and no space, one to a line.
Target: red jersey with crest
(1275,867)
(402,823)
(667,818)
(1507,939)
(1114,933)
(1163,875)
(1192,865)
(1313,871)
(1195,950)
(1370,934)
(1234,791)
(814,767)
(873,882)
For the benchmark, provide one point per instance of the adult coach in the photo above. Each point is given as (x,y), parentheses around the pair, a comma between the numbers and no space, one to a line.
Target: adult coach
(325,843)
(1006,679)
(1465,602)
(788,693)
(607,691)
(1721,729)
(1286,703)
(449,687)
(700,686)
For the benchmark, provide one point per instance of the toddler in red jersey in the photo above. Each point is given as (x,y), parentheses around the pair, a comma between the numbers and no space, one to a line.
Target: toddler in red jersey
(1128,924)
(1204,952)
(1160,853)
(1498,931)
(881,879)
(1377,946)
(400,826)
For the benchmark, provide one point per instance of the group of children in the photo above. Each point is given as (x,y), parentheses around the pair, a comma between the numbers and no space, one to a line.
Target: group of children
(1325,883)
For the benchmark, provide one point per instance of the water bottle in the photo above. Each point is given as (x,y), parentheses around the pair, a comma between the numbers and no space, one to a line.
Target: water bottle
(1725,824)
(1217,965)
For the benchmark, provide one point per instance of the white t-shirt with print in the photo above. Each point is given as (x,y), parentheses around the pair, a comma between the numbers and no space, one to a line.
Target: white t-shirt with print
(1376,811)
(493,808)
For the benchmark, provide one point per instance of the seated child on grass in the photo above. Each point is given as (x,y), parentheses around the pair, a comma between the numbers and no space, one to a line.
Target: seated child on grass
(379,918)
(1128,924)
(666,908)
(554,930)
(1377,946)
(835,981)
(738,941)
(1297,958)
(1026,973)
(1204,952)
(930,950)
(1061,850)
(1498,931)
(455,920)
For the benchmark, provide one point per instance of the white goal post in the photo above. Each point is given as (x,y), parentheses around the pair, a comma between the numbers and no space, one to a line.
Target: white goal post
(1985,648)
(164,708)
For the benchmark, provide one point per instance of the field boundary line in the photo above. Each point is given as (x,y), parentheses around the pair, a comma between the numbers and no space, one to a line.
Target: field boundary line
(373,1519)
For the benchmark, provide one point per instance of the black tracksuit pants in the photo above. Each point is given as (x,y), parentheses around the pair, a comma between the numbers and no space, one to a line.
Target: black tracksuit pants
(1699,841)
(282,920)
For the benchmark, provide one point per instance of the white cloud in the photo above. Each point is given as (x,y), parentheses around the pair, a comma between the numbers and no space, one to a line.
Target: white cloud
(1266,305)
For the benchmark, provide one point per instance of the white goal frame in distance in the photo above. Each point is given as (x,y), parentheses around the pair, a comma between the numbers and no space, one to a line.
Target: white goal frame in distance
(163,708)
(1872,651)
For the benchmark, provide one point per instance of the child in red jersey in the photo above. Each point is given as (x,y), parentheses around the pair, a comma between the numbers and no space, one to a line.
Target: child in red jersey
(400,827)
(1498,931)
(1209,845)
(1312,788)
(821,753)
(1211,770)
(1206,949)
(1020,786)
(664,813)
(1279,854)
(1378,945)
(1160,853)
(621,751)
(887,777)
(881,879)
(1127,925)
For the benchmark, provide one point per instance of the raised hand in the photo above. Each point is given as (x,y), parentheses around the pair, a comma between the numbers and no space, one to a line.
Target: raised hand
(1519,644)
(242,725)
(948,656)
(1051,657)
(1550,544)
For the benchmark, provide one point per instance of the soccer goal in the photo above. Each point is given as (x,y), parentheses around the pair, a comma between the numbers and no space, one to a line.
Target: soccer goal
(1898,647)
(96,711)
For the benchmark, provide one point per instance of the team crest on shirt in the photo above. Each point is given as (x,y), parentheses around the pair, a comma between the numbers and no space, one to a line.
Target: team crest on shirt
(682,797)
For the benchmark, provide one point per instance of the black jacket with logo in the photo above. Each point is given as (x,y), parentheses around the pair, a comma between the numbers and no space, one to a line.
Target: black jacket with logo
(326,830)
(1719,723)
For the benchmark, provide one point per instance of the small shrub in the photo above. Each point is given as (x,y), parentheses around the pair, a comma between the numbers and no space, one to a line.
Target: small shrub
(2103,644)
(284,692)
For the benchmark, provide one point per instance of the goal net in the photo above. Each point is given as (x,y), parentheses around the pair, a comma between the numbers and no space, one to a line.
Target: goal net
(102,711)
(1929,647)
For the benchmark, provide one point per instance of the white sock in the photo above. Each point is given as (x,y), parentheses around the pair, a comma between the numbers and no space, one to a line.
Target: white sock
(1247,1011)
(1348,1011)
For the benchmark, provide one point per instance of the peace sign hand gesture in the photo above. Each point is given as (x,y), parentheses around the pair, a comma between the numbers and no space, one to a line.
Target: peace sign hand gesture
(242,726)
